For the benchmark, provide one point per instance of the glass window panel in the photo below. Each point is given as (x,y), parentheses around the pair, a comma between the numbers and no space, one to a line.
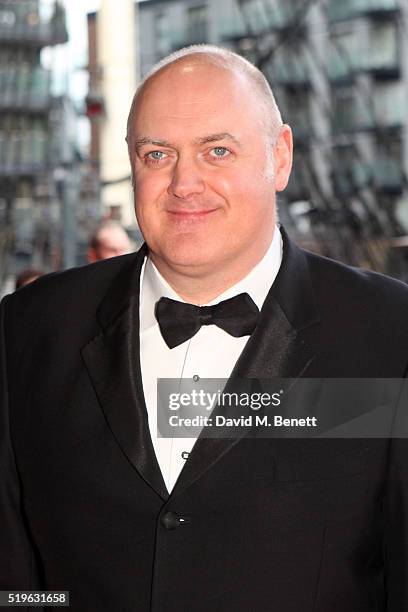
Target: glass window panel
(344,54)
(382,48)
(289,65)
(364,5)
(197,23)
(390,102)
(341,9)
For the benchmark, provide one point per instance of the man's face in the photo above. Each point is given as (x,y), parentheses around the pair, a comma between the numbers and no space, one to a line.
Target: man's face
(199,162)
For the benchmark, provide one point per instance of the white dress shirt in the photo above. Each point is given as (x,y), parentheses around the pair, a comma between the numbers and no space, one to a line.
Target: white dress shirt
(211,353)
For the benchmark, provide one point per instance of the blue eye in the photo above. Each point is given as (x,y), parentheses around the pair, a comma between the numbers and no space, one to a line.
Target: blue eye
(156,155)
(220,151)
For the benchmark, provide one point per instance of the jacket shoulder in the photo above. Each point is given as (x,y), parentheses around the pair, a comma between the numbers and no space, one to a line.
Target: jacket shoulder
(362,308)
(58,292)
(332,278)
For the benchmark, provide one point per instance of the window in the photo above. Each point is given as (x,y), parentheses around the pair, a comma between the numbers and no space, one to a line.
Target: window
(289,65)
(162,34)
(382,49)
(7,19)
(297,111)
(197,24)
(387,167)
(390,103)
(352,110)
(350,171)
(265,15)
(344,53)
(341,10)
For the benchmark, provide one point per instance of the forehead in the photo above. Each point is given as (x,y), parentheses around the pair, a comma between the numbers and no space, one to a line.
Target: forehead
(197,97)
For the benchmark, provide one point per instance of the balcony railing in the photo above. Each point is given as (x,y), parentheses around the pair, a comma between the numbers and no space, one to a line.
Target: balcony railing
(384,173)
(290,72)
(381,65)
(349,9)
(352,115)
(23,153)
(40,35)
(339,11)
(388,175)
(231,31)
(390,104)
(341,66)
(267,15)
(301,125)
(31,23)
(349,178)
(24,89)
(377,8)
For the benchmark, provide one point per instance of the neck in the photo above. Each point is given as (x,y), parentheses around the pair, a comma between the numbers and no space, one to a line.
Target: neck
(201,286)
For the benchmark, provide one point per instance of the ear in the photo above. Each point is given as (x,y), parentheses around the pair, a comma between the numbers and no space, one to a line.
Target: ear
(283,155)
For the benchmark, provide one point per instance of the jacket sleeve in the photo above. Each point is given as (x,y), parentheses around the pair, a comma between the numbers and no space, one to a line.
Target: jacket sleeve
(396,511)
(18,568)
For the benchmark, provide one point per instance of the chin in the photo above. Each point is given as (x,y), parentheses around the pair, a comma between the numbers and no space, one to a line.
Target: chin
(193,254)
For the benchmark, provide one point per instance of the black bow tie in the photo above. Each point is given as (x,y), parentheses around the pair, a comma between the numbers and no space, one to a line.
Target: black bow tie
(179,321)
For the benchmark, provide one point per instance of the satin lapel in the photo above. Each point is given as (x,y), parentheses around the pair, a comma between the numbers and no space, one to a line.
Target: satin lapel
(113,364)
(277,349)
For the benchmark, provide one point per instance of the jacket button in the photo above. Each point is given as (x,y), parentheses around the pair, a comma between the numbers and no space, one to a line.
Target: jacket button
(170,520)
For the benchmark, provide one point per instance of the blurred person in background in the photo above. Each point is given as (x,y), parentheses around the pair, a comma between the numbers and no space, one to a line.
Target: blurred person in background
(109,239)
(27,276)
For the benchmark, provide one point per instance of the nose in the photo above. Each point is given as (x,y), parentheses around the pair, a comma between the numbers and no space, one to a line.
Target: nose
(186,181)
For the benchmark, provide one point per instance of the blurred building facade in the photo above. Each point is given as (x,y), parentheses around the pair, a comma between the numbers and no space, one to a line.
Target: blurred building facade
(168,25)
(30,142)
(339,71)
(113,74)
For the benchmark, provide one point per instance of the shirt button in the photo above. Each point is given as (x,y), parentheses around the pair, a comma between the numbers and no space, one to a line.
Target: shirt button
(185,455)
(196,378)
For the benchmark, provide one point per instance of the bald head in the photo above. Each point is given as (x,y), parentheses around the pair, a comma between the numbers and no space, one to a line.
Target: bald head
(208,152)
(109,239)
(224,60)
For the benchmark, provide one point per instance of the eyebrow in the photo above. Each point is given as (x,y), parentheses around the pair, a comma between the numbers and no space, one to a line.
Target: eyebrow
(146,140)
(216,137)
(151,141)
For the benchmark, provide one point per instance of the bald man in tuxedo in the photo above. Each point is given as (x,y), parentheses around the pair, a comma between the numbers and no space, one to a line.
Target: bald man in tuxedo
(92,500)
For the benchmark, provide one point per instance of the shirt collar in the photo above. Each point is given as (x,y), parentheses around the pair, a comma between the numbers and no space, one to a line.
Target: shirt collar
(257,283)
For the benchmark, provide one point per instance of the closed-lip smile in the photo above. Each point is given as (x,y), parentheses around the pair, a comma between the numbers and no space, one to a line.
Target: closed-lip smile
(191,212)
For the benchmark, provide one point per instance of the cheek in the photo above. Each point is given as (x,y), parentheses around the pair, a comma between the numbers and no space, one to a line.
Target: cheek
(249,195)
(147,192)
(233,187)
(257,213)
(149,184)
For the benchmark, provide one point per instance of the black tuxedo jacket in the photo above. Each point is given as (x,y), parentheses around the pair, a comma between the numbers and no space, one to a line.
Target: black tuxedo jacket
(270,525)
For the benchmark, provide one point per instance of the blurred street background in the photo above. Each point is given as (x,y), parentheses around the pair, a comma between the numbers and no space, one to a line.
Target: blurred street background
(68,71)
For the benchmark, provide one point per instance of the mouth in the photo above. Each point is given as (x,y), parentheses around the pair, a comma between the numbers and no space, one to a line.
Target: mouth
(191,214)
